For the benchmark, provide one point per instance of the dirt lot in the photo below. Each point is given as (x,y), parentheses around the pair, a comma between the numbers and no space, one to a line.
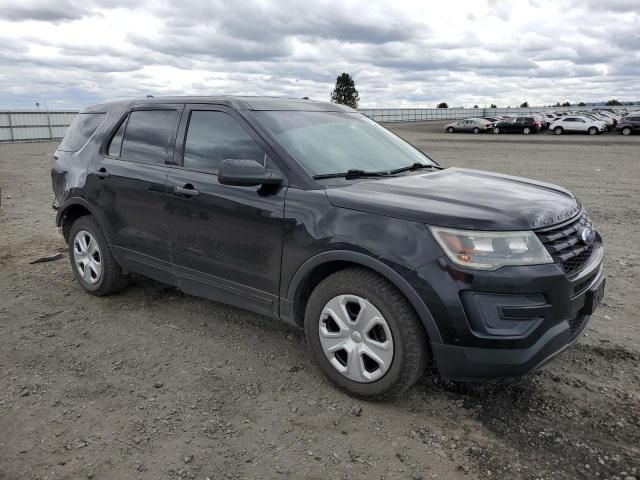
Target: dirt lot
(154,384)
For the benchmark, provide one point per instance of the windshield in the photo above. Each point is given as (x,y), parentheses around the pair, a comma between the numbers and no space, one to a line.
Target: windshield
(331,142)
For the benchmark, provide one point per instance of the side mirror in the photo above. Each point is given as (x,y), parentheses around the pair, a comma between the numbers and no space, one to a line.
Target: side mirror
(246,173)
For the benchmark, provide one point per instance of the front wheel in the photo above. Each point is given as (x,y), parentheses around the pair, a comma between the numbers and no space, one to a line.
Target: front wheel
(364,334)
(558,130)
(496,130)
(451,129)
(592,130)
(91,260)
(626,131)
(526,130)
(476,130)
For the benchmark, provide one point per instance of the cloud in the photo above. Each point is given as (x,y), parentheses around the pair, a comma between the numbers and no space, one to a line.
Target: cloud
(407,53)
(41,10)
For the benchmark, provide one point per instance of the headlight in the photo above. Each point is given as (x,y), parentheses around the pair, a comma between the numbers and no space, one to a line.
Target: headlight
(491,250)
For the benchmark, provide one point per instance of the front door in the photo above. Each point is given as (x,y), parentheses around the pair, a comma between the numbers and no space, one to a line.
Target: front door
(226,240)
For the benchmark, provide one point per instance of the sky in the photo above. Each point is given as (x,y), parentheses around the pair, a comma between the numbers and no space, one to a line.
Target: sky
(73,53)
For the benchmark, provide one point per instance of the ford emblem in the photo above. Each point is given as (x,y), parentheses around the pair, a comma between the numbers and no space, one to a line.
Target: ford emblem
(587,235)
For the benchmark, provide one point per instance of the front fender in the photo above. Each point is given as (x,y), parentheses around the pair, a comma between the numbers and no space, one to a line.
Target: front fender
(367,261)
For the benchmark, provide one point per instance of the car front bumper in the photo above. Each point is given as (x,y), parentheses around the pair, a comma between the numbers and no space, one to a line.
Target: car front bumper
(508,322)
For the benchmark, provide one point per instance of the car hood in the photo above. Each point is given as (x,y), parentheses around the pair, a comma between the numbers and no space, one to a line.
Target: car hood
(460,198)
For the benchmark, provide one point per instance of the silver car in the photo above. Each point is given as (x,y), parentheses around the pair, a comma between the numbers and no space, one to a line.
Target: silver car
(475,125)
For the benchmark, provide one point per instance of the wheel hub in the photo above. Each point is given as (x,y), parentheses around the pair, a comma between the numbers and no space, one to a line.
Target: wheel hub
(87,257)
(356,338)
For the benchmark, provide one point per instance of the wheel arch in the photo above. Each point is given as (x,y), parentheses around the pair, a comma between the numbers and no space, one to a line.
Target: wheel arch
(75,208)
(314,270)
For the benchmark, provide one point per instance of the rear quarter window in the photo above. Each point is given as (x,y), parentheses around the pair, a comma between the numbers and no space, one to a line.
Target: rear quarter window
(80,131)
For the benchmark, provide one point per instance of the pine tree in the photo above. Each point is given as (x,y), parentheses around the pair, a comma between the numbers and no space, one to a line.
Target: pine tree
(345,92)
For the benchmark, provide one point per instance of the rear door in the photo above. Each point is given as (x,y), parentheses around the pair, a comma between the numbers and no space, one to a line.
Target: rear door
(130,188)
(226,240)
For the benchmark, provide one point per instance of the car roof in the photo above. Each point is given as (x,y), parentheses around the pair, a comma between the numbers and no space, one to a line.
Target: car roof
(235,102)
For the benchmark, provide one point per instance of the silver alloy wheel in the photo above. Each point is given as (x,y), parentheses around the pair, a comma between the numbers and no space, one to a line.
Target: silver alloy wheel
(626,131)
(87,257)
(356,338)
(526,130)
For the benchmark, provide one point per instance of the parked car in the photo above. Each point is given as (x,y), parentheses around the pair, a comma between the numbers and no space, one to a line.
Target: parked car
(629,125)
(614,118)
(315,215)
(525,125)
(549,118)
(474,125)
(577,124)
(540,120)
(608,121)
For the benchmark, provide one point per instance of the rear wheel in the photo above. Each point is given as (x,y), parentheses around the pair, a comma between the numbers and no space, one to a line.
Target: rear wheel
(91,260)
(592,130)
(364,334)
(476,130)
(496,130)
(626,131)
(558,131)
(451,129)
(526,130)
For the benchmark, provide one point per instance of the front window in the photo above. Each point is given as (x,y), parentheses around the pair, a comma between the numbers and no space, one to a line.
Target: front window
(331,142)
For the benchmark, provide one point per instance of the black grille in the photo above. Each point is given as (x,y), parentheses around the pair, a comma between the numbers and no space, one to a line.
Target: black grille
(565,245)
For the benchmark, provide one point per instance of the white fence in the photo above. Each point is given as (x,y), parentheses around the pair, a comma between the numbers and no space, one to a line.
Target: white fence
(34,125)
(418,114)
(39,125)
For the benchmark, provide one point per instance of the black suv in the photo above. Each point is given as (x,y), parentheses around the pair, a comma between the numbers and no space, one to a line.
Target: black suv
(524,125)
(313,214)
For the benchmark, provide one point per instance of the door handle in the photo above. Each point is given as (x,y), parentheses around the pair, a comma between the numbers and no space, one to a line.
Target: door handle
(187,190)
(102,173)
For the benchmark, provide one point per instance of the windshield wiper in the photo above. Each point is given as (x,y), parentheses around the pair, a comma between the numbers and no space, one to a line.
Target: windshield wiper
(414,166)
(351,173)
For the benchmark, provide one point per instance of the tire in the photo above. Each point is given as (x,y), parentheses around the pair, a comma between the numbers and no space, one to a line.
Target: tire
(451,129)
(558,130)
(496,130)
(476,130)
(592,130)
(409,352)
(103,276)
(526,130)
(626,131)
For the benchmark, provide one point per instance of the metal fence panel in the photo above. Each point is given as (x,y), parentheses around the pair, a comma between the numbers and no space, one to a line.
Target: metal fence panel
(37,125)
(421,114)
(34,125)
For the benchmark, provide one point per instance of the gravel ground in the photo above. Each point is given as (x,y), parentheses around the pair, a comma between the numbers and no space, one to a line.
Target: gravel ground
(153,384)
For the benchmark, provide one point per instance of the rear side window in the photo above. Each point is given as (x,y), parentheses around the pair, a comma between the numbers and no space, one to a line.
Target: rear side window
(80,131)
(147,135)
(216,136)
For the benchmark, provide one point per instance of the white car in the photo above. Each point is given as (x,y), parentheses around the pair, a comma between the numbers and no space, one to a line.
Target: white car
(577,124)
